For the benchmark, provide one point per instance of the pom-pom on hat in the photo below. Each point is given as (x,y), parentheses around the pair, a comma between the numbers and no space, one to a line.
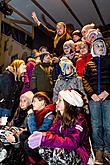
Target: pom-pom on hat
(72,97)
(28,95)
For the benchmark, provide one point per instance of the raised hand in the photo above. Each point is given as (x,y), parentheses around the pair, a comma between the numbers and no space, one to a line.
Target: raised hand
(35,18)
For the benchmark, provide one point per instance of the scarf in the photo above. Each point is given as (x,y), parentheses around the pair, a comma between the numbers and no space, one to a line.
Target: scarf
(56,39)
(40,114)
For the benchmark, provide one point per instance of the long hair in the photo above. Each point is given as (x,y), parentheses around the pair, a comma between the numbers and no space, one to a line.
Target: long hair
(69,115)
(16,68)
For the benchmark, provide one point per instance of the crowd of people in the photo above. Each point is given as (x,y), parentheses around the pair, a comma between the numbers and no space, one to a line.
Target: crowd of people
(54,108)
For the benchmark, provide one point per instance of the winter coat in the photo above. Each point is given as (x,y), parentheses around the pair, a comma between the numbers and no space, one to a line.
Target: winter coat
(74,82)
(75,137)
(9,90)
(82,62)
(43,77)
(59,47)
(27,86)
(41,120)
(90,77)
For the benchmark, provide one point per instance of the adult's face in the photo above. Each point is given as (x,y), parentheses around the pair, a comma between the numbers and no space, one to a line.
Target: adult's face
(60,28)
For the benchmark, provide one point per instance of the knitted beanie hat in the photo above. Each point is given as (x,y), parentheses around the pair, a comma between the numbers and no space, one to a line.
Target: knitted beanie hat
(28,95)
(69,44)
(72,97)
(43,94)
(64,63)
(77,32)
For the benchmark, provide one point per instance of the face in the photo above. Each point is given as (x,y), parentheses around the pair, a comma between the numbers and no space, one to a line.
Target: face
(66,49)
(60,29)
(99,48)
(37,105)
(24,103)
(68,70)
(75,38)
(47,58)
(43,50)
(84,49)
(60,105)
(22,69)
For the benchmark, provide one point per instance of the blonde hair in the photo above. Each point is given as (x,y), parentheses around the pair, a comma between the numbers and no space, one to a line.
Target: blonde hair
(16,68)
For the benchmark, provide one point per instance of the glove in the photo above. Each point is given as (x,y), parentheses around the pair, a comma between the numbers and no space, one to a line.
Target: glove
(34,140)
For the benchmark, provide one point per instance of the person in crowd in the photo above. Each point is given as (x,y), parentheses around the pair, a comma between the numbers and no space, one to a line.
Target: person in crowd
(90,33)
(43,75)
(67,79)
(43,49)
(59,36)
(10,87)
(27,85)
(69,51)
(76,36)
(67,140)
(40,117)
(84,58)
(85,30)
(18,125)
(96,82)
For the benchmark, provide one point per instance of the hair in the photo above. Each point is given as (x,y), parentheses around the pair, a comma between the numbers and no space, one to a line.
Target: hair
(16,68)
(42,96)
(43,47)
(71,112)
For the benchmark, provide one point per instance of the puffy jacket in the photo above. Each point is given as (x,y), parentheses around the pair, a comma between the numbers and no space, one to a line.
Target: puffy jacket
(75,137)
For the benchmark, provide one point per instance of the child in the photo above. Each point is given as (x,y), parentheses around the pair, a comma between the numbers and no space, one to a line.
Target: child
(67,141)
(43,74)
(67,79)
(96,81)
(20,118)
(85,57)
(41,116)
(76,36)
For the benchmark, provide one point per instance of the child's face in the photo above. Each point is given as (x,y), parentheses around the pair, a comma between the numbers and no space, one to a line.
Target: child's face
(75,38)
(37,104)
(24,103)
(99,48)
(66,50)
(60,105)
(83,49)
(47,58)
(68,70)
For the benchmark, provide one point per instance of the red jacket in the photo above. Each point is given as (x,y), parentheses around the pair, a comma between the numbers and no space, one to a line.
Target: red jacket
(81,63)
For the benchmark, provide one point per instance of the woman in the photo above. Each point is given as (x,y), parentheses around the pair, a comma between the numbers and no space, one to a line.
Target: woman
(10,87)
(67,141)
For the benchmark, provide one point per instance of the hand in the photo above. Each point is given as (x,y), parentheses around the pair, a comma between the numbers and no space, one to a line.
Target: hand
(34,140)
(103,95)
(10,138)
(95,97)
(34,16)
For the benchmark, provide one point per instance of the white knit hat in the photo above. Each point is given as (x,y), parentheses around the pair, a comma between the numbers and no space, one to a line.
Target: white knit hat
(29,95)
(72,97)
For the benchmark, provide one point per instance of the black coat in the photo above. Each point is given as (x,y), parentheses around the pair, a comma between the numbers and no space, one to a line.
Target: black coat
(9,90)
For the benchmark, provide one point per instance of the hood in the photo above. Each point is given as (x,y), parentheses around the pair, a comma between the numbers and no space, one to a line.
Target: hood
(92,45)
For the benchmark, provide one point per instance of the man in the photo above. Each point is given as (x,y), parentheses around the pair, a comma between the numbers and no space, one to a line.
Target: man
(59,36)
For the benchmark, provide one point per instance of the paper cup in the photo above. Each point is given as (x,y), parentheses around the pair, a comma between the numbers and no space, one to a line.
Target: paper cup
(3,120)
